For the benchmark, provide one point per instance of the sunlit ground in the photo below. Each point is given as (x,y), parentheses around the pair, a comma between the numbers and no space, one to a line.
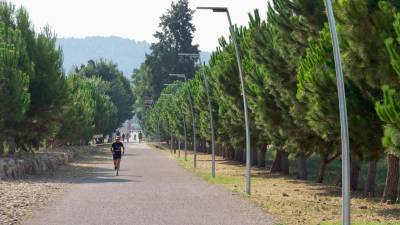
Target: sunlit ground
(291,200)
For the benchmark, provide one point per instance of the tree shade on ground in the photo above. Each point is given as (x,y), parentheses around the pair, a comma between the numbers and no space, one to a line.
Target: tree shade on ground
(291,87)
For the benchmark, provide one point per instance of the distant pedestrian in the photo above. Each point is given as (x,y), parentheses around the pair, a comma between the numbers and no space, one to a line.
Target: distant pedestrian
(140,136)
(123,137)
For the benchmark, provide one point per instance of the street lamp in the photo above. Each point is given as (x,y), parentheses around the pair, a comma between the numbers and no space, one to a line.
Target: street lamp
(344,130)
(184,125)
(179,75)
(171,140)
(151,102)
(197,55)
(246,116)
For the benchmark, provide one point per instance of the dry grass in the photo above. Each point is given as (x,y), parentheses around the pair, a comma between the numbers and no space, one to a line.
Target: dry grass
(290,200)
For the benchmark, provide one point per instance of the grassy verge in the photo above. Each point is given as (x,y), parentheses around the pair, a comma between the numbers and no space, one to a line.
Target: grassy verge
(290,200)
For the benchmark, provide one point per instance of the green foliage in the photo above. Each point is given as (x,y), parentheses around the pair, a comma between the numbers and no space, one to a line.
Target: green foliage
(389,109)
(14,83)
(175,37)
(37,64)
(38,102)
(90,110)
(119,89)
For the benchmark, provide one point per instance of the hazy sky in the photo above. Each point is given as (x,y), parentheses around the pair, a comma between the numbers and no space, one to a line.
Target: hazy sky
(134,19)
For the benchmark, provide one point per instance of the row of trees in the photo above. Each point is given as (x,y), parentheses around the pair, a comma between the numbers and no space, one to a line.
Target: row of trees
(39,103)
(175,36)
(291,87)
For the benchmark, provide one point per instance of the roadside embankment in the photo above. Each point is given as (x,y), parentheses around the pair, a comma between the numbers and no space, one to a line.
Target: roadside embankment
(38,163)
(31,182)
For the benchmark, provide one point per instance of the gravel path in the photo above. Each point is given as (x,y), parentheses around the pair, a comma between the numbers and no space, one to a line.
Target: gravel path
(151,190)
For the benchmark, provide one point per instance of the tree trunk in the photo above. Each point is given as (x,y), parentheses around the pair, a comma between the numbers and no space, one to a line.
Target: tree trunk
(285,163)
(253,156)
(218,149)
(232,153)
(369,188)
(321,170)
(276,164)
(392,179)
(238,155)
(223,150)
(354,174)
(228,152)
(261,155)
(11,146)
(302,167)
(1,148)
(325,160)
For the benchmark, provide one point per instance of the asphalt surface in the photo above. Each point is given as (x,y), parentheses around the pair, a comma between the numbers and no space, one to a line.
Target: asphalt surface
(151,190)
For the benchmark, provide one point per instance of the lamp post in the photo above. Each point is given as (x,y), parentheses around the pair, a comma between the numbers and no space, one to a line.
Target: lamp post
(193,118)
(171,137)
(151,102)
(184,126)
(246,116)
(197,55)
(344,130)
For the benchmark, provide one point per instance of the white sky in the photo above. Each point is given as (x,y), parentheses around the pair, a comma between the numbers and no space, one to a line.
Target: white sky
(134,19)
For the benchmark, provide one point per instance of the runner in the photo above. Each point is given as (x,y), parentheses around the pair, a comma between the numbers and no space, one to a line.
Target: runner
(140,137)
(117,153)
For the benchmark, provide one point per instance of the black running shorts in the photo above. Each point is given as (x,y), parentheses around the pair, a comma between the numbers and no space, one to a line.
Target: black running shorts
(117,155)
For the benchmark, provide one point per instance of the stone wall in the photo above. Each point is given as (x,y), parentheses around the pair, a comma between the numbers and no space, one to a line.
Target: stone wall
(38,163)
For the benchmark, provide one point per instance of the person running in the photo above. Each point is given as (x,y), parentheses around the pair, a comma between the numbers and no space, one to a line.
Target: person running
(140,137)
(117,149)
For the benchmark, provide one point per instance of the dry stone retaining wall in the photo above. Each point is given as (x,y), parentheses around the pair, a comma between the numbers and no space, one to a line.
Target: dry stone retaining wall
(38,163)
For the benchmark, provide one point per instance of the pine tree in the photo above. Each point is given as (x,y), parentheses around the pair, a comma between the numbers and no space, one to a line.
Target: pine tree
(365,60)
(389,112)
(175,36)
(14,96)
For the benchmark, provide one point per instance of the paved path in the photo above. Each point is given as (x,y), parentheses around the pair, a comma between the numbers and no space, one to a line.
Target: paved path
(151,190)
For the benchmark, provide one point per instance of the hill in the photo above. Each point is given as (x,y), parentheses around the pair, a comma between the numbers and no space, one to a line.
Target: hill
(128,54)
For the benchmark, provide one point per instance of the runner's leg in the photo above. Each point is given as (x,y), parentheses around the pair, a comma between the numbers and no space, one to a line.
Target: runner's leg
(118,162)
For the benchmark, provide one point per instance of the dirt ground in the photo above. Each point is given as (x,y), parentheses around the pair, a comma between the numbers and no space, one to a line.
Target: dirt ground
(20,198)
(291,200)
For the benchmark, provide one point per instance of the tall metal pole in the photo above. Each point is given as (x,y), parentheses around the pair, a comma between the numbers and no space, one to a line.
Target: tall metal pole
(171,140)
(184,131)
(211,119)
(197,55)
(158,129)
(246,116)
(194,127)
(344,130)
(183,120)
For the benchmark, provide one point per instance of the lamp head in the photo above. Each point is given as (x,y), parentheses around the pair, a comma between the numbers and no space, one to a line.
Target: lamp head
(214,9)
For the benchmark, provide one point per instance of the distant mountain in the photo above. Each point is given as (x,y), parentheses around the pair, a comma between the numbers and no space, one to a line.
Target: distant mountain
(126,53)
